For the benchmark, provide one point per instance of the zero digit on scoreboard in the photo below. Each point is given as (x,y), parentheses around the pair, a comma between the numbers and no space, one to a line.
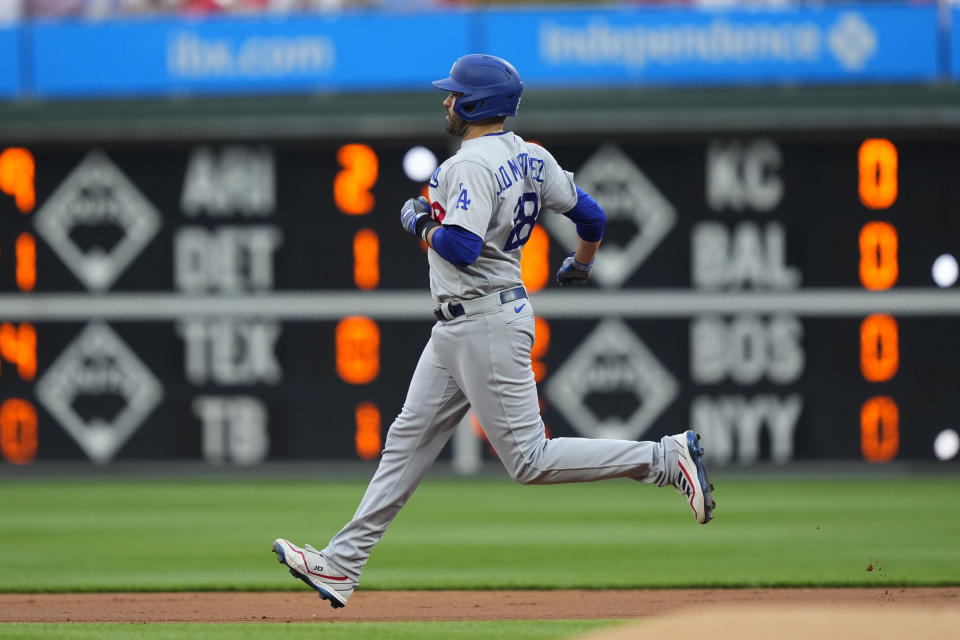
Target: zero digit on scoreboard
(878,187)
(879,182)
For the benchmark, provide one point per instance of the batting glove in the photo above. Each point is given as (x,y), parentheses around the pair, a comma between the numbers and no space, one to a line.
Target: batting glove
(573,272)
(414,214)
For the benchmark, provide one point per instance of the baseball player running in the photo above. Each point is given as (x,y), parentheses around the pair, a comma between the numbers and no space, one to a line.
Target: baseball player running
(484,202)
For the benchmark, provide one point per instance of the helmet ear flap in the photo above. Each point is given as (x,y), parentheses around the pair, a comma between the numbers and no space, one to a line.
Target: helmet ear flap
(470,107)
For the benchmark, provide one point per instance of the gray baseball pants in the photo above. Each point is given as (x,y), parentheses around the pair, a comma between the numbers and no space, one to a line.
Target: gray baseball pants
(483,362)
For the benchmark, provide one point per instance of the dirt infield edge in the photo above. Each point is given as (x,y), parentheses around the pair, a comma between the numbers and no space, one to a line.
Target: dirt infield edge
(386,606)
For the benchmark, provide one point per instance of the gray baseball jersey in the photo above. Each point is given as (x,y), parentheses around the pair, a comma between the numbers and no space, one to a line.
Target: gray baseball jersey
(496,186)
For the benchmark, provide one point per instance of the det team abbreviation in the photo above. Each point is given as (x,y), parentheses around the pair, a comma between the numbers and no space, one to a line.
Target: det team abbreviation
(790,299)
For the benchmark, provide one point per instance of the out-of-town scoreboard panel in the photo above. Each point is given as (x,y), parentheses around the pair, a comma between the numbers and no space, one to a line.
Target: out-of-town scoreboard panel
(790,298)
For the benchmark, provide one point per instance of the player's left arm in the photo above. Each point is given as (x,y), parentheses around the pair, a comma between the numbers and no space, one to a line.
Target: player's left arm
(455,244)
(467,189)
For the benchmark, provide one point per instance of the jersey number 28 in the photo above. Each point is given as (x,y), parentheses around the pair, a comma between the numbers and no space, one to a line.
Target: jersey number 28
(528,206)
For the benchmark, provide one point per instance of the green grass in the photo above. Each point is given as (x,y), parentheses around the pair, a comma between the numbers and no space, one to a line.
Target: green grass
(515,630)
(113,535)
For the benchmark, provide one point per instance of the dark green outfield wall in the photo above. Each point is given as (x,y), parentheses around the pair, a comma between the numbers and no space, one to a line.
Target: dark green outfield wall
(640,111)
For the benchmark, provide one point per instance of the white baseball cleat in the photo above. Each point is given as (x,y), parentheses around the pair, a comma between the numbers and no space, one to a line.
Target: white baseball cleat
(691,479)
(309,565)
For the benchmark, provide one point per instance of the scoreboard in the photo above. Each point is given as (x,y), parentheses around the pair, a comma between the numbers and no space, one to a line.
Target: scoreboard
(790,297)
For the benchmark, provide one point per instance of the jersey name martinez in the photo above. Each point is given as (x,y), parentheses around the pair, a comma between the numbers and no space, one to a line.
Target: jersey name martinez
(525,165)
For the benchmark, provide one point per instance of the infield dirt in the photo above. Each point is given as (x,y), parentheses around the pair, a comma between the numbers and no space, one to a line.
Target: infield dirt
(304,606)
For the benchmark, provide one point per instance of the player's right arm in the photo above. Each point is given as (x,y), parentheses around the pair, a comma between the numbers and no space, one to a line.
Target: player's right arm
(591,221)
(560,193)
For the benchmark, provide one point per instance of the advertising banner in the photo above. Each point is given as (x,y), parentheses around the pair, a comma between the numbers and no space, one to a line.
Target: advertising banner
(243,55)
(682,46)
(372,51)
(10,57)
(955,44)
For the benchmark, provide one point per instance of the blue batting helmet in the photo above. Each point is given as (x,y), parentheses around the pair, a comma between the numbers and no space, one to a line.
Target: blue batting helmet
(490,87)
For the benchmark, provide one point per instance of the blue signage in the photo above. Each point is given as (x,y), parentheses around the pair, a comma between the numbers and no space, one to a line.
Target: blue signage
(856,43)
(10,67)
(347,51)
(383,51)
(955,44)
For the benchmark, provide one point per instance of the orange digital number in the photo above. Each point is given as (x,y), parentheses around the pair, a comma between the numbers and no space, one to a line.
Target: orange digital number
(26,251)
(879,264)
(879,429)
(366,259)
(367,437)
(877,160)
(18,345)
(17,170)
(879,347)
(358,350)
(351,186)
(541,344)
(535,260)
(18,431)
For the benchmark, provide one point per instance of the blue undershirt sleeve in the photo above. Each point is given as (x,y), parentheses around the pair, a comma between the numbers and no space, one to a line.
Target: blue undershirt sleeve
(456,245)
(588,216)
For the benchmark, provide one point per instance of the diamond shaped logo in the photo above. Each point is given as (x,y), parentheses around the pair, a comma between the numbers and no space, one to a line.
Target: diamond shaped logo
(630,200)
(611,386)
(97,221)
(99,392)
(852,41)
